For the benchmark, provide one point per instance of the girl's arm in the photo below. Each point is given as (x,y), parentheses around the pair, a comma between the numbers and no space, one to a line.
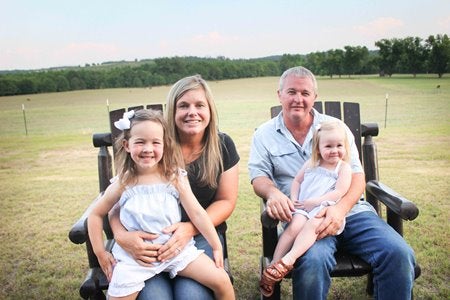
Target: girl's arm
(95,226)
(342,186)
(199,217)
(296,183)
(218,211)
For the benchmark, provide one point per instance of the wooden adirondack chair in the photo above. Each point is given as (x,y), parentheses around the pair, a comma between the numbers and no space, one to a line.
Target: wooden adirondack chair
(398,208)
(95,282)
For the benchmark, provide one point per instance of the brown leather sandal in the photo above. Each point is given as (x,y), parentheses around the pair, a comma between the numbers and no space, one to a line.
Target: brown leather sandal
(271,275)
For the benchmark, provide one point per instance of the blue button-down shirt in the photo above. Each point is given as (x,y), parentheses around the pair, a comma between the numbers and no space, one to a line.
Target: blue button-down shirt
(277,155)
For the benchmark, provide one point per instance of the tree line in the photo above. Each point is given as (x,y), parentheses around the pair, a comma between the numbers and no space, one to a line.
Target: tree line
(411,55)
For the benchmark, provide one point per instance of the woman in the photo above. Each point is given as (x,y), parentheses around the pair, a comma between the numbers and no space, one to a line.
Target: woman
(212,163)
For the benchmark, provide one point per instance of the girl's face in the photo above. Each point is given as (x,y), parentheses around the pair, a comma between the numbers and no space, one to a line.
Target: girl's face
(297,97)
(332,146)
(192,114)
(146,144)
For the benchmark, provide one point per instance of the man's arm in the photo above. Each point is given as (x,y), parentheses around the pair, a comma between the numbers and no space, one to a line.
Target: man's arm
(278,205)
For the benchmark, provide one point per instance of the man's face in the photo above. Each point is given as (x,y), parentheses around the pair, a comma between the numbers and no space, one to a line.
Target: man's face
(297,97)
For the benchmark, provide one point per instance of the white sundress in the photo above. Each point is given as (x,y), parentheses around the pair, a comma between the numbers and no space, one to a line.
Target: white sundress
(148,208)
(317,182)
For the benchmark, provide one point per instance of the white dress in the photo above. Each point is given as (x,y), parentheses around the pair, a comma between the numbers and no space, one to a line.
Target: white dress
(317,182)
(148,208)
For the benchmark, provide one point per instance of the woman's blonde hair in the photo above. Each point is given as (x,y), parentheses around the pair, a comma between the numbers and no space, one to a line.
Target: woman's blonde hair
(323,127)
(171,160)
(210,163)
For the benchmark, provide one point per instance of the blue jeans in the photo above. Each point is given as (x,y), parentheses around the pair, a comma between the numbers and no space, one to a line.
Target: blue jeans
(369,237)
(162,287)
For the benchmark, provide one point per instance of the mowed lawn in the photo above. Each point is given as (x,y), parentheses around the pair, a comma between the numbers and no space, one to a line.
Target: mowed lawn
(48,176)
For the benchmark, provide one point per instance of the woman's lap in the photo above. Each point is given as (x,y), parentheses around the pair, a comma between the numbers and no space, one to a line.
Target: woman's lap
(162,287)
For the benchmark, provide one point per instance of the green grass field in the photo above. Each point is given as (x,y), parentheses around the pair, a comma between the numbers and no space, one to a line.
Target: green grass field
(49,176)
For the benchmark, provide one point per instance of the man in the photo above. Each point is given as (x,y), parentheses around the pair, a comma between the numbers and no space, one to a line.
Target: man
(279,149)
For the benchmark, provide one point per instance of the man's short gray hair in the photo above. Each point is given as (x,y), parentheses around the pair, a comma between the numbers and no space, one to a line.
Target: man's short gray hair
(298,72)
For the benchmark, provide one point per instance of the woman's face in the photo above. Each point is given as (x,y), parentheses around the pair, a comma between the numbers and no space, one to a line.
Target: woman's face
(192,114)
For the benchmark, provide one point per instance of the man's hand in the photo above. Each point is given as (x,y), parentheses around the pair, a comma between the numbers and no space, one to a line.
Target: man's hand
(332,222)
(280,207)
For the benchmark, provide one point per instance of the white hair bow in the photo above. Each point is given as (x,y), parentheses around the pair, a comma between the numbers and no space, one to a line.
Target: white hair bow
(125,123)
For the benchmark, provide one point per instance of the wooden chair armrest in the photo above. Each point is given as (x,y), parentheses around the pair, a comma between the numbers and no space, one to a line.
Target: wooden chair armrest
(369,129)
(102,139)
(406,209)
(79,234)
(93,284)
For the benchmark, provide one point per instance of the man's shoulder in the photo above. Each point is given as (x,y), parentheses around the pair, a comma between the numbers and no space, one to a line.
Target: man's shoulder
(267,126)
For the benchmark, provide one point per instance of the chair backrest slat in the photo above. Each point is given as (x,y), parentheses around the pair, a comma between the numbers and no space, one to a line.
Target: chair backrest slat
(352,118)
(333,108)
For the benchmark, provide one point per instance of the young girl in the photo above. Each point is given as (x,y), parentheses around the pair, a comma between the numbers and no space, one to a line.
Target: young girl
(321,182)
(150,185)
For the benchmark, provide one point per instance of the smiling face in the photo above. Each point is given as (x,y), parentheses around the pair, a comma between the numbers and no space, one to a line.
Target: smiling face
(297,97)
(145,145)
(332,147)
(192,113)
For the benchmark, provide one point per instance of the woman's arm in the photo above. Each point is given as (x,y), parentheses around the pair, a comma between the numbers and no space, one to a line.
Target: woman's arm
(133,242)
(226,196)
(218,211)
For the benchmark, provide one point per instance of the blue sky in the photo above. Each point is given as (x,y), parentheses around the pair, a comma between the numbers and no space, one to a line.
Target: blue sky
(50,33)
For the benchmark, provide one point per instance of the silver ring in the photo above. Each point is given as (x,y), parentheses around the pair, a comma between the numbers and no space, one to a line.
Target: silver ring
(178,250)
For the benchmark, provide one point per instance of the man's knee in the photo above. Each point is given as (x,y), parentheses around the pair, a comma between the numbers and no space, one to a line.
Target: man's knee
(317,257)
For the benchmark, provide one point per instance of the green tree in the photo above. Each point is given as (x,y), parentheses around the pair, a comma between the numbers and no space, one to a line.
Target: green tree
(354,58)
(291,60)
(26,86)
(439,58)
(334,62)
(386,58)
(7,87)
(414,55)
(62,84)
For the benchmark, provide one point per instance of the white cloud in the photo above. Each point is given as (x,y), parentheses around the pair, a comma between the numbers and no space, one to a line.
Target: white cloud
(444,24)
(213,38)
(380,27)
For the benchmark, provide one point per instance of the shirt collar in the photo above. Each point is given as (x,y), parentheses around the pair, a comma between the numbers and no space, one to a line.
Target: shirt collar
(280,126)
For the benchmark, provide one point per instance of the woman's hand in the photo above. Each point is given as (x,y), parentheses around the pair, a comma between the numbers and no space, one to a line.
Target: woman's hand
(134,242)
(182,233)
